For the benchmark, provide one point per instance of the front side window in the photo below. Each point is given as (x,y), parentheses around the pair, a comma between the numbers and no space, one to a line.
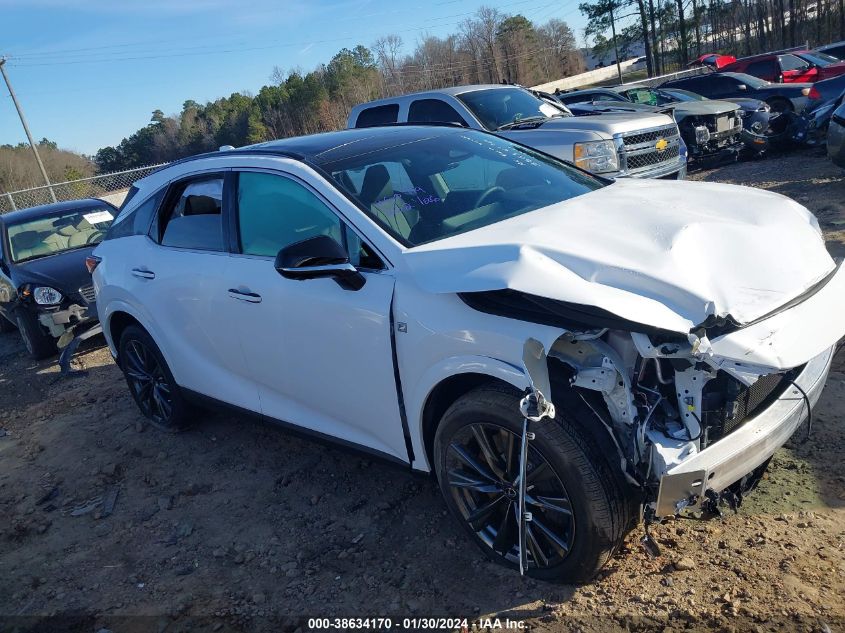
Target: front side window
(433,111)
(453,181)
(499,108)
(58,233)
(194,216)
(275,212)
(791,62)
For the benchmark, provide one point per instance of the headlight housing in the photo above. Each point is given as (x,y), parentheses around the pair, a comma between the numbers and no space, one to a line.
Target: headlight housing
(596,156)
(702,134)
(46,296)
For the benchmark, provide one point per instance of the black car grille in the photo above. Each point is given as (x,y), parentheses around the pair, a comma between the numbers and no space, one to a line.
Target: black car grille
(727,403)
(88,294)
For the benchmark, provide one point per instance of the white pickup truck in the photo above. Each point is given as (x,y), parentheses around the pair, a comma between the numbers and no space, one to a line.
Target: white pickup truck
(636,145)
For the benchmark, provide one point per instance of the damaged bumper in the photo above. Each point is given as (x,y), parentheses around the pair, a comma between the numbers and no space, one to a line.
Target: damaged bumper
(59,321)
(727,461)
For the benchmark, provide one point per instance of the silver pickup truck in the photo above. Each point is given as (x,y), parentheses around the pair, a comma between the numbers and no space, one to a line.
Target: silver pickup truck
(637,145)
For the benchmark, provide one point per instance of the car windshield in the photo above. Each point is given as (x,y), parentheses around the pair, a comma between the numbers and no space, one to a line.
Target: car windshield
(676,94)
(51,234)
(501,107)
(819,59)
(445,182)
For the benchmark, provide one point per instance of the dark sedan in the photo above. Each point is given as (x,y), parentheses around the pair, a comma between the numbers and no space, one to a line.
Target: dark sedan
(45,287)
(790,97)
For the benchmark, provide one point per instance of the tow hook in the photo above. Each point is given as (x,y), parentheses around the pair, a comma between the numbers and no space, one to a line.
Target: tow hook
(534,407)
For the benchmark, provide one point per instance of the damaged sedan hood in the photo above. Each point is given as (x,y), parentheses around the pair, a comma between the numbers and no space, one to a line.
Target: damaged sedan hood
(665,254)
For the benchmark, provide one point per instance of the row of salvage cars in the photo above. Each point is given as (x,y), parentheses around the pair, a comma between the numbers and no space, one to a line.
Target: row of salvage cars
(449,287)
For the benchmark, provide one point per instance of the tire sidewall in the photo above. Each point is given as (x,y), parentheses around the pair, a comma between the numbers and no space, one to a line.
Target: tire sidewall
(178,421)
(38,344)
(592,537)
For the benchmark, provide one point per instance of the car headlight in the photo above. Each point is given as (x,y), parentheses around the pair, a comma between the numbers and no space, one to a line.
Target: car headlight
(46,296)
(596,156)
(702,134)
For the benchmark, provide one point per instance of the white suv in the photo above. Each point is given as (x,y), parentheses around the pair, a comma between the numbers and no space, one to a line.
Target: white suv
(424,293)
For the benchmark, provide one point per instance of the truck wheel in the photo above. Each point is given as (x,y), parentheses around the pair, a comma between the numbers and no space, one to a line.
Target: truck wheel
(39,344)
(578,509)
(150,382)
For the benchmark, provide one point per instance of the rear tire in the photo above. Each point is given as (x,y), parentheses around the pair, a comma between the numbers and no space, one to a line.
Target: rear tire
(150,381)
(567,474)
(39,344)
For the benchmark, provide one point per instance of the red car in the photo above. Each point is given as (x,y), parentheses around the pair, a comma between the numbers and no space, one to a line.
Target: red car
(713,60)
(794,66)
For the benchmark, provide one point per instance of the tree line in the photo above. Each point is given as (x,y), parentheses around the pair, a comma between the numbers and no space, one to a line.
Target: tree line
(19,170)
(489,47)
(674,32)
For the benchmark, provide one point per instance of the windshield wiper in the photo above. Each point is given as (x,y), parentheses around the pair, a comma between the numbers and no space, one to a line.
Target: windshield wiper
(528,119)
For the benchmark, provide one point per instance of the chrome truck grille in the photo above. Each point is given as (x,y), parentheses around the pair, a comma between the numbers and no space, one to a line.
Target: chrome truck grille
(649,151)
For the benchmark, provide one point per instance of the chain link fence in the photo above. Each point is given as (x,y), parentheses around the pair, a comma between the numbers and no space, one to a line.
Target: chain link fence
(111,187)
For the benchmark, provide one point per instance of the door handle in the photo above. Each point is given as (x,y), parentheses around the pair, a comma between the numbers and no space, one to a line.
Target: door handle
(143,273)
(244,295)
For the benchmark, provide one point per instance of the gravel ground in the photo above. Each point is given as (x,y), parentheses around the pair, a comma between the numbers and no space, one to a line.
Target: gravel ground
(238,525)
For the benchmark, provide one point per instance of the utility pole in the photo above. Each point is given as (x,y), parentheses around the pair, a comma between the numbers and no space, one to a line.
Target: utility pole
(26,128)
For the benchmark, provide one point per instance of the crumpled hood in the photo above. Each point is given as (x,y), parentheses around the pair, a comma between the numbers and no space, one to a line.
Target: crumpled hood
(666,254)
(704,108)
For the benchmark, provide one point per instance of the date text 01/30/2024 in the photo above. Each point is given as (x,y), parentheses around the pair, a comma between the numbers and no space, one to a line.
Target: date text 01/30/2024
(414,624)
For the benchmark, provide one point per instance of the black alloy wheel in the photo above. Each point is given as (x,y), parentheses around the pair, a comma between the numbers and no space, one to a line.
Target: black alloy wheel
(150,382)
(579,507)
(482,465)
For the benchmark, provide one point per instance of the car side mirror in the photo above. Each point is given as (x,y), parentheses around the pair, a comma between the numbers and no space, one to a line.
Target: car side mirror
(742,87)
(318,257)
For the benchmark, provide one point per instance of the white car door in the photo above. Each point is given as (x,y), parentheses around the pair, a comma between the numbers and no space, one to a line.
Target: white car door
(178,276)
(320,354)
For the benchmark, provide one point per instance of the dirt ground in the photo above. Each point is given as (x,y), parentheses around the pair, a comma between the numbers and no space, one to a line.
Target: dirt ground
(238,525)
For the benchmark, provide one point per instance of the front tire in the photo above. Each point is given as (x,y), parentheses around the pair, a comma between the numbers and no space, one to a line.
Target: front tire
(150,381)
(39,344)
(578,508)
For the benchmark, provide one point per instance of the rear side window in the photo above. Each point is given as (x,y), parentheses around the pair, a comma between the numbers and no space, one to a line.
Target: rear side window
(764,69)
(378,115)
(138,220)
(433,111)
(193,216)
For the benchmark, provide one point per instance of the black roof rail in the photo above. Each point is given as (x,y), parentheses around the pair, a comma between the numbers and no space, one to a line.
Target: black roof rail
(233,152)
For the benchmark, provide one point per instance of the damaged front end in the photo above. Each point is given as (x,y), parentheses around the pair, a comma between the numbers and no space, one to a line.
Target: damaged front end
(692,421)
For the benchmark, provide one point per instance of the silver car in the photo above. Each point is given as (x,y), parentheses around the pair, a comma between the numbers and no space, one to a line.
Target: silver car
(636,145)
(836,137)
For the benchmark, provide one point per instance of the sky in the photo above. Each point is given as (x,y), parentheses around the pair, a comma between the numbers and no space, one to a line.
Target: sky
(89,73)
